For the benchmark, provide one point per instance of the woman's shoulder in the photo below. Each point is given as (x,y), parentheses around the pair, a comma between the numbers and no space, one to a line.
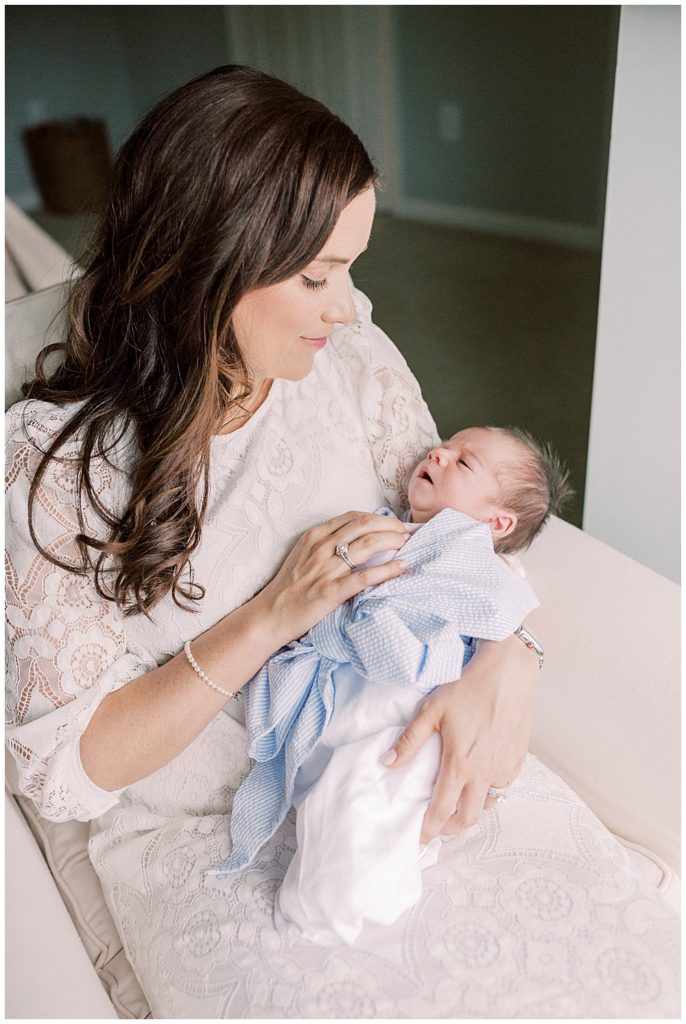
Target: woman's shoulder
(31,429)
(31,418)
(37,424)
(385,396)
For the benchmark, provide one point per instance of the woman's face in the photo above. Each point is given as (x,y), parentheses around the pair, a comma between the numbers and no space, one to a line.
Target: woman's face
(281,328)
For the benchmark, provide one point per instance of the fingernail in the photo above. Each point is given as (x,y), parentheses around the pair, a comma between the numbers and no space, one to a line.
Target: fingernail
(390,758)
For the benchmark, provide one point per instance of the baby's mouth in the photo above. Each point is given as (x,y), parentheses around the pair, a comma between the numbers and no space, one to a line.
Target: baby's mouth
(425,476)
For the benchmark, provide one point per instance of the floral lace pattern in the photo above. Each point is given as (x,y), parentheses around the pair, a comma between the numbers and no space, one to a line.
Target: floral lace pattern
(66,649)
(311,452)
(536,912)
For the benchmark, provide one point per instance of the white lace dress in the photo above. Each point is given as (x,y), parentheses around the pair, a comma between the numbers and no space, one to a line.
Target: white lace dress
(535,912)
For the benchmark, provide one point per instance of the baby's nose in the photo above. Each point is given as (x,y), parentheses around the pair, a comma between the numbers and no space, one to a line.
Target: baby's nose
(437,455)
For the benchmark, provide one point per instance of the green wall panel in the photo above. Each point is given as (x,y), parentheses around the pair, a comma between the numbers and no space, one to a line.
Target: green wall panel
(534,87)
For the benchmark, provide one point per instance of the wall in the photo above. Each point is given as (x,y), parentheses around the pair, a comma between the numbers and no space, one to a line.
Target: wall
(61,61)
(166,47)
(111,62)
(533,91)
(116,62)
(632,487)
(343,55)
(533,85)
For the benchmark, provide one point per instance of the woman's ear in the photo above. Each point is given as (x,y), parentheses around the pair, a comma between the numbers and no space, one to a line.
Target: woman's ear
(502,523)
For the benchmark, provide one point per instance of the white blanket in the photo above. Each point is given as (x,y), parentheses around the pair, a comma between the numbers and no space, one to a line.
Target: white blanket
(358,823)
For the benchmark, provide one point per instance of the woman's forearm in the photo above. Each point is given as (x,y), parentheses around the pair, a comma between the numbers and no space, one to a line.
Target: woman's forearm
(506,673)
(149,721)
(514,653)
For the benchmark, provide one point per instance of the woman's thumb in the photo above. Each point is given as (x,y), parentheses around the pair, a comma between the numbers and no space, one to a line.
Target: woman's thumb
(409,742)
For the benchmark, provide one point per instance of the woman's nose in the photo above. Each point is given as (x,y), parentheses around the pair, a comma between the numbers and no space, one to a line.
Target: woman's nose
(340,309)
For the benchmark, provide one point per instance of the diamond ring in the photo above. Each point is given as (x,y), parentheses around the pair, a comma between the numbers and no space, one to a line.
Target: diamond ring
(342,552)
(498,792)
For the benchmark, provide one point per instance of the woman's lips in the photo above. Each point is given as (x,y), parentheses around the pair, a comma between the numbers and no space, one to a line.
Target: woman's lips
(316,342)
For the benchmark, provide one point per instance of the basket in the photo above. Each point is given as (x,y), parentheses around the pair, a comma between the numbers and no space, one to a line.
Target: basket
(71,163)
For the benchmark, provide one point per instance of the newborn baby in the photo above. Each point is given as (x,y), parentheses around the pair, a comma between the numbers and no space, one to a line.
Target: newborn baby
(322,713)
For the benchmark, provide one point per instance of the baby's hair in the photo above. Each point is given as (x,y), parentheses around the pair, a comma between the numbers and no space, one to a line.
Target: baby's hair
(535,487)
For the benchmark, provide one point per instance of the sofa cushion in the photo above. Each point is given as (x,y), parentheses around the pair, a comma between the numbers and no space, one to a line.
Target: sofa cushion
(65,848)
(47,972)
(607,711)
(31,322)
(31,254)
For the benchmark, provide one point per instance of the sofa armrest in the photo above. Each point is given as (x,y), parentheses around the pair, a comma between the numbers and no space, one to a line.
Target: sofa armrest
(48,974)
(608,707)
(31,322)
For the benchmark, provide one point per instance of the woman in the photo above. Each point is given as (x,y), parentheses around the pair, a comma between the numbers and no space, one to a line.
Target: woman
(222,389)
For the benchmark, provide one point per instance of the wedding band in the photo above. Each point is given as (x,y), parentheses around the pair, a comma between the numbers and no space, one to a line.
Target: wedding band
(342,552)
(498,792)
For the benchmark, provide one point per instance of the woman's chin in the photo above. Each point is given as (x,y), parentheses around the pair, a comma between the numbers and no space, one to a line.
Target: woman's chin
(294,376)
(296,372)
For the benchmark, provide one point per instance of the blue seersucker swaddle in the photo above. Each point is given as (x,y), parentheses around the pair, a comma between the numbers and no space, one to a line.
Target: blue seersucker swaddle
(407,630)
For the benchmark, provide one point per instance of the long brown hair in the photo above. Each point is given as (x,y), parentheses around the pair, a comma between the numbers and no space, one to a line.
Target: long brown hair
(232,182)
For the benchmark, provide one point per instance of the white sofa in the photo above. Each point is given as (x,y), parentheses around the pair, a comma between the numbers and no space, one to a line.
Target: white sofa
(607,722)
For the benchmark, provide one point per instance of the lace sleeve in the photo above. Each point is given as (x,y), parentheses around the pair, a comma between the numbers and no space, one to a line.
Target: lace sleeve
(400,428)
(65,646)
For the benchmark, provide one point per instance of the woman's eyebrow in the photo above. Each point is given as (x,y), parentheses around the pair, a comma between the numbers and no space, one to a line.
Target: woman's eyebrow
(336,259)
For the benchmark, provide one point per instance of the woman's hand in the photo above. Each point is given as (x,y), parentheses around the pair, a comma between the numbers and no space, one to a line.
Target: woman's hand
(313,580)
(146,723)
(485,722)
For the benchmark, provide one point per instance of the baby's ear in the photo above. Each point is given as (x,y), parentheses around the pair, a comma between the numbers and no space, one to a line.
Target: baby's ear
(502,524)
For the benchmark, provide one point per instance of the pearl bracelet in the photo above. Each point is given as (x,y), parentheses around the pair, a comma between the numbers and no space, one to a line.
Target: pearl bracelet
(206,679)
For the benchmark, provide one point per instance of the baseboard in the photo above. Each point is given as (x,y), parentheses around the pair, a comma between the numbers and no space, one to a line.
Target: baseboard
(493,222)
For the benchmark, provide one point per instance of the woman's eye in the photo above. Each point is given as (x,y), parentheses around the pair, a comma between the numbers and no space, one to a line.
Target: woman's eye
(309,283)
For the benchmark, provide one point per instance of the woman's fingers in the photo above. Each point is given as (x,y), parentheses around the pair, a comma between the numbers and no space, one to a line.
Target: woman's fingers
(329,526)
(450,781)
(312,581)
(352,525)
(473,799)
(368,535)
(362,549)
(422,726)
(355,582)
(467,767)
(447,795)
(365,533)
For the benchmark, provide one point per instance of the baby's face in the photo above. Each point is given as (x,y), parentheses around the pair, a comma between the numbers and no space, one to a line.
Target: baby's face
(461,474)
